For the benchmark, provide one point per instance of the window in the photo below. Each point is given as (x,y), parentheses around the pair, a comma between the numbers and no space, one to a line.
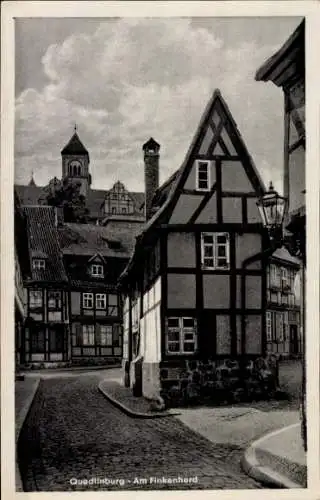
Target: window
(97,270)
(273,275)
(88,334)
(215,251)
(101,301)
(113,210)
(269,326)
(54,299)
(38,264)
(35,299)
(203,175)
(87,300)
(37,341)
(56,340)
(181,335)
(124,210)
(106,335)
(279,323)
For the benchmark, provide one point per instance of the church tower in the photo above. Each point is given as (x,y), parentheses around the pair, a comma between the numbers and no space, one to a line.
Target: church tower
(75,163)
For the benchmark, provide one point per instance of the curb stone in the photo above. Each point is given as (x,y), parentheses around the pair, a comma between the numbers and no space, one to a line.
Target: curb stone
(131,413)
(20,420)
(74,369)
(264,474)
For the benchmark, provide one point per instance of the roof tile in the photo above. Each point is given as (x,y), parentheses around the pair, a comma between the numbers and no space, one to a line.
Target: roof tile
(43,240)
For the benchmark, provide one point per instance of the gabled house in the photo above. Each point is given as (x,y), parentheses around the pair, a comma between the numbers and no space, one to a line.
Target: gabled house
(94,257)
(46,333)
(195,287)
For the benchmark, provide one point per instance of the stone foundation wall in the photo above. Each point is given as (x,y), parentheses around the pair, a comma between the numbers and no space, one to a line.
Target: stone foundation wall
(219,381)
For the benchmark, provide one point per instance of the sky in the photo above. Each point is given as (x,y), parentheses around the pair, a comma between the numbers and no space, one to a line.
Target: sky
(123,80)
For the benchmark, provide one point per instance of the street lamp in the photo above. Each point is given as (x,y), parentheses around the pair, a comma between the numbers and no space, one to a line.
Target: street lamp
(272,209)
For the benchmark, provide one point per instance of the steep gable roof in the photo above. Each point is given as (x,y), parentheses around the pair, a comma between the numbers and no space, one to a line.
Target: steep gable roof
(216,102)
(74,147)
(89,239)
(44,242)
(293,50)
(170,191)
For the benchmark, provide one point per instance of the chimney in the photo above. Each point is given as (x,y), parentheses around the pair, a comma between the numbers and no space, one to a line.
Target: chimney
(151,174)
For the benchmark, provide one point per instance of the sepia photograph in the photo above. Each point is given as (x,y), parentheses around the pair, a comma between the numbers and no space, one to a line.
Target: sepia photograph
(159,206)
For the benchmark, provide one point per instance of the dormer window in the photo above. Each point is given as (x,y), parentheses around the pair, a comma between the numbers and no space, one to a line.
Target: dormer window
(38,264)
(97,270)
(202,175)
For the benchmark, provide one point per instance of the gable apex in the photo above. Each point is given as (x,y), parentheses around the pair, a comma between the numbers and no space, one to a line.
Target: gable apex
(74,147)
(97,258)
(218,118)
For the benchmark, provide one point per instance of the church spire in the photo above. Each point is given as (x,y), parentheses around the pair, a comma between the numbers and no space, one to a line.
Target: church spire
(32,182)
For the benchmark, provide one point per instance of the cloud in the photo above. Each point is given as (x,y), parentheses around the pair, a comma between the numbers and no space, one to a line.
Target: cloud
(134,78)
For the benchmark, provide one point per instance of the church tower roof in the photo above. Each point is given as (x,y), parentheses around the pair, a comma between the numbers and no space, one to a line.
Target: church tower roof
(32,182)
(74,146)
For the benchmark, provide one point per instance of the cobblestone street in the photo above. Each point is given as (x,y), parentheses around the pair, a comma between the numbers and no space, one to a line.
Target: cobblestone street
(73,434)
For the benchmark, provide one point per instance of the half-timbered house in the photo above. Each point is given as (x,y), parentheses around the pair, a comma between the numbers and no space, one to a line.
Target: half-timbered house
(195,288)
(22,272)
(94,257)
(46,333)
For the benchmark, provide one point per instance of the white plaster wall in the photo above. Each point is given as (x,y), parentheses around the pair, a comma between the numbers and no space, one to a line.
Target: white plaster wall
(150,331)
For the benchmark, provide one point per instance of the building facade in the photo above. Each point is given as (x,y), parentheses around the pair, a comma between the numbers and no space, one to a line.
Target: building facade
(46,332)
(94,257)
(286,70)
(195,289)
(22,272)
(283,334)
(73,308)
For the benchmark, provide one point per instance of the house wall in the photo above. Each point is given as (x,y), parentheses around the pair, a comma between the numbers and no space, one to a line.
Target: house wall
(150,334)
(216,298)
(96,319)
(46,333)
(294,147)
(283,330)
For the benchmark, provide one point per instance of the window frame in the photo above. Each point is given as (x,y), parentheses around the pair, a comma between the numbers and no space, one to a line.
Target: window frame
(101,333)
(35,334)
(36,304)
(101,297)
(182,332)
(87,296)
(59,340)
(36,264)
(215,245)
(208,172)
(57,300)
(90,334)
(95,274)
